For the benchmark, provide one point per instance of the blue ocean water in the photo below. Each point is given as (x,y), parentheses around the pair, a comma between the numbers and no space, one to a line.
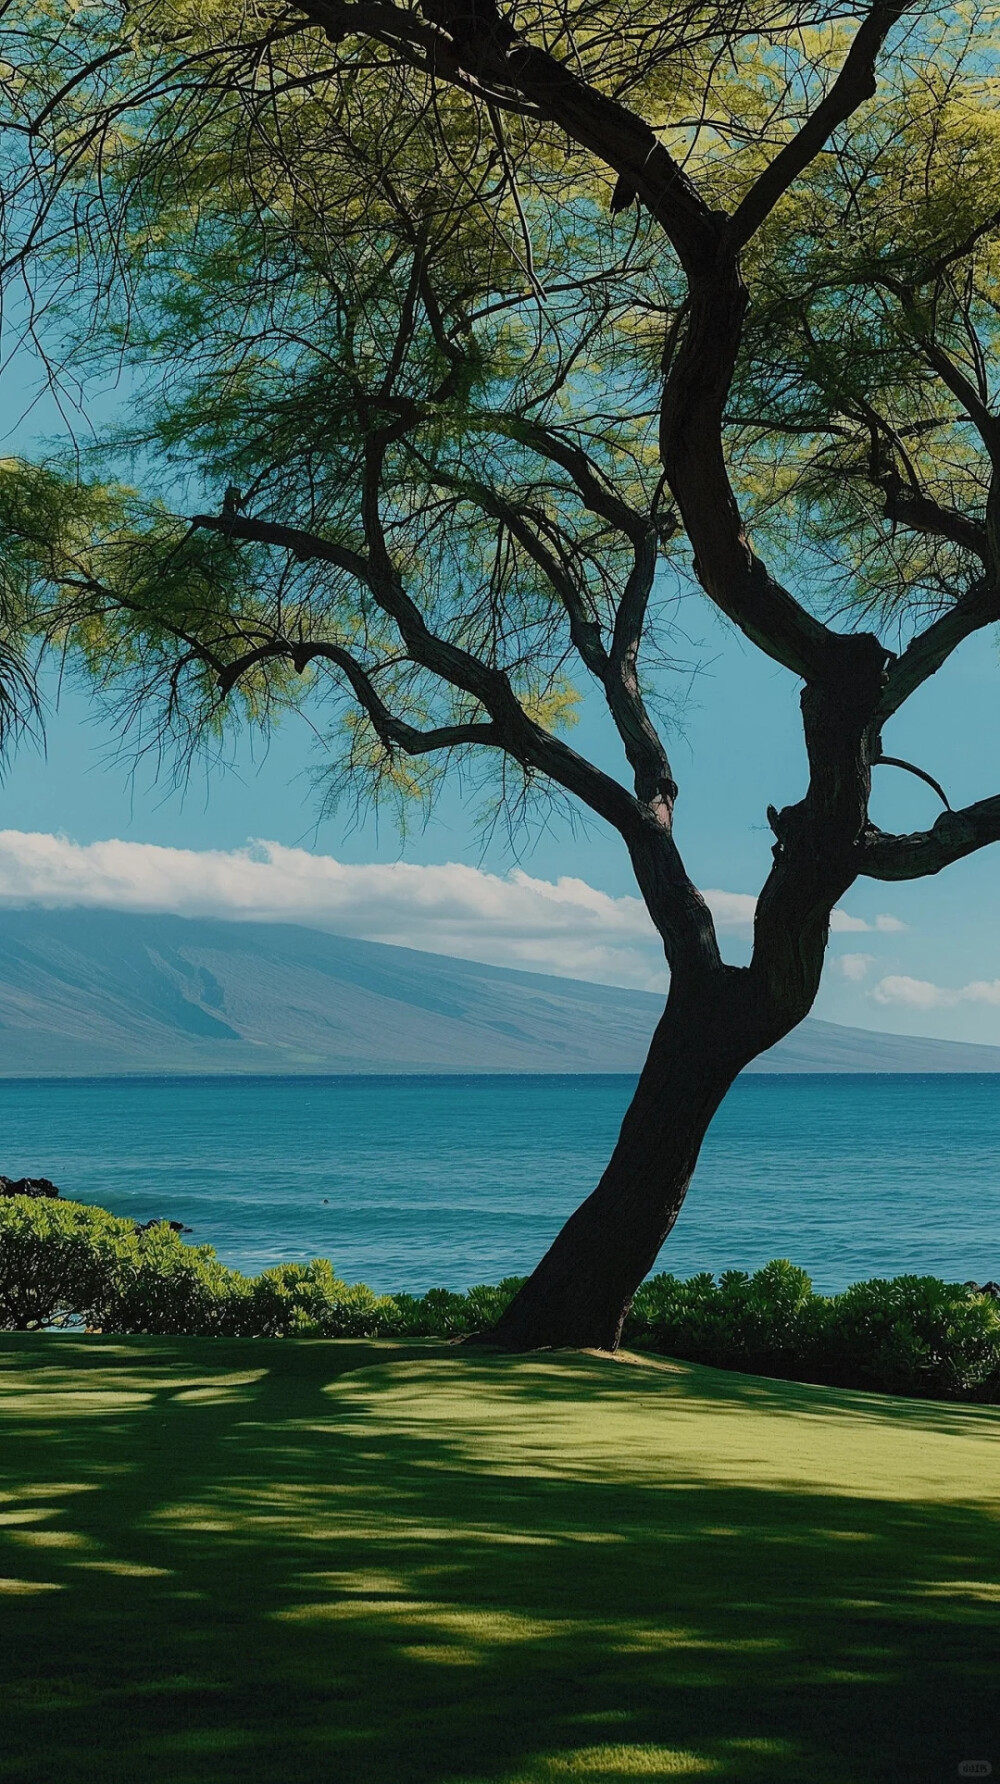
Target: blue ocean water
(419,1182)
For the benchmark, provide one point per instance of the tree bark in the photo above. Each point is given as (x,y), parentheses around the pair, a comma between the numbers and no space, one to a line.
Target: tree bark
(581,1291)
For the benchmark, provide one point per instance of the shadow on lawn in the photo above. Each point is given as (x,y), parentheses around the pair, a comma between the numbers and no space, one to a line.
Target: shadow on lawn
(381,1564)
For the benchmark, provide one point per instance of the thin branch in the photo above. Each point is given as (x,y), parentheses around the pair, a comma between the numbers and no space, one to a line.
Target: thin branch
(616,670)
(596,493)
(952,377)
(921,514)
(394,732)
(921,774)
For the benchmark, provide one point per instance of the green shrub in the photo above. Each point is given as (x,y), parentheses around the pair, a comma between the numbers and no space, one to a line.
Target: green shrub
(308,1300)
(488,1301)
(53,1258)
(440,1313)
(762,1323)
(154,1283)
(910,1335)
(913,1335)
(437,1314)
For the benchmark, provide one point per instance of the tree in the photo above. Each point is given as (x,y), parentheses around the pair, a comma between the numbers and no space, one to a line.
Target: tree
(470,329)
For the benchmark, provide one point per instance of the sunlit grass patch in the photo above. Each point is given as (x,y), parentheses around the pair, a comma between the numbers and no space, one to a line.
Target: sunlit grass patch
(19,1588)
(609,1765)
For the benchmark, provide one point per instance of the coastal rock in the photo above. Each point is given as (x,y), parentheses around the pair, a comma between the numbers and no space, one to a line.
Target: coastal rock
(27,1186)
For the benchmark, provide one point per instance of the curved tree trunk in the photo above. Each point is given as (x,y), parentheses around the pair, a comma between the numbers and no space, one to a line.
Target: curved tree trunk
(582,1289)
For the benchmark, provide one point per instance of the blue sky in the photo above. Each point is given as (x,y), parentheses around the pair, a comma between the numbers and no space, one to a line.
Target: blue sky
(930,966)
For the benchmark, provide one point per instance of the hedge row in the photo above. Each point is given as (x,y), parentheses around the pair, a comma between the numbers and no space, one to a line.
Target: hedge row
(65,1262)
(62,1261)
(907,1335)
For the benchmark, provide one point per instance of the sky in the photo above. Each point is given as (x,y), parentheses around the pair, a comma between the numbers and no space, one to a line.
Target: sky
(247,840)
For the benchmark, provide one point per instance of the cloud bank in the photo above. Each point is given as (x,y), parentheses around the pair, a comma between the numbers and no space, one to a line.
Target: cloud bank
(920,994)
(564,926)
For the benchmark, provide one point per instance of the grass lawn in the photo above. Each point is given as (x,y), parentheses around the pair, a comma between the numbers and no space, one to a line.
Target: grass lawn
(407,1564)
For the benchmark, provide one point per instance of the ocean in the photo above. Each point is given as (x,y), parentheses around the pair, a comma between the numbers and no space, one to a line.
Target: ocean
(420,1182)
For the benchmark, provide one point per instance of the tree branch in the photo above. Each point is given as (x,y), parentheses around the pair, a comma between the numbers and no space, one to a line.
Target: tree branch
(854,84)
(677,908)
(530,743)
(527,741)
(423,46)
(925,654)
(693,455)
(951,375)
(473,36)
(615,670)
(597,495)
(394,732)
(921,774)
(881,856)
(921,514)
(302,545)
(654,781)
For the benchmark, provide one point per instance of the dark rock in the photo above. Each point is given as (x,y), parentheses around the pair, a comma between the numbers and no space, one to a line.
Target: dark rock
(27,1186)
(986,1288)
(176,1226)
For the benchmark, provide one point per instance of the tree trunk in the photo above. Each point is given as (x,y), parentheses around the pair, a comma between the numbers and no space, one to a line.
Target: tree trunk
(582,1289)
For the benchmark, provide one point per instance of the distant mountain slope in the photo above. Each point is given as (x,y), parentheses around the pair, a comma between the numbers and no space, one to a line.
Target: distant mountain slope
(101,992)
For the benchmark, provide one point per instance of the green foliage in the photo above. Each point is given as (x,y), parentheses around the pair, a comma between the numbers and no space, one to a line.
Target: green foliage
(915,1335)
(384,311)
(53,1256)
(297,263)
(63,1261)
(308,1300)
(764,1323)
(441,1313)
(150,1281)
(908,1335)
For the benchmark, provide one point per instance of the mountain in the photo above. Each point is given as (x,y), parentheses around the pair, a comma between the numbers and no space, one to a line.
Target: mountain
(97,993)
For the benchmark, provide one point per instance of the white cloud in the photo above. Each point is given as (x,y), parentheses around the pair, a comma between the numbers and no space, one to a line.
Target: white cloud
(564,926)
(855,966)
(921,994)
(985,991)
(842,924)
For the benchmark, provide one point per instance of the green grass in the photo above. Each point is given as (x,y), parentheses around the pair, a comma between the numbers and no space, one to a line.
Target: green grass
(406,1564)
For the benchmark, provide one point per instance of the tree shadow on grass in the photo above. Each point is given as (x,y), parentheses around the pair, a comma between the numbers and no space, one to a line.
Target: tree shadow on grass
(390,1564)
